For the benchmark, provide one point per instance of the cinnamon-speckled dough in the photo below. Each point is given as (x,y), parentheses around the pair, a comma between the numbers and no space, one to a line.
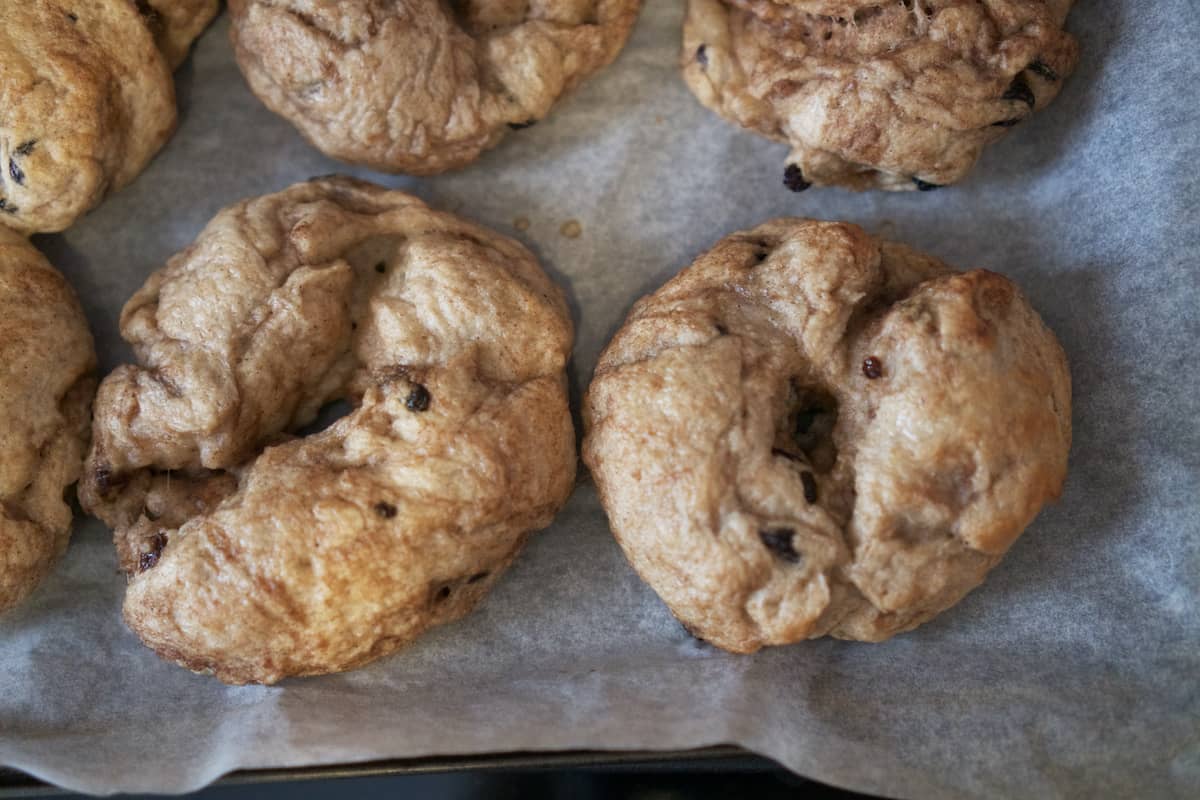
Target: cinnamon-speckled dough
(86,100)
(257,555)
(46,384)
(420,86)
(891,95)
(812,431)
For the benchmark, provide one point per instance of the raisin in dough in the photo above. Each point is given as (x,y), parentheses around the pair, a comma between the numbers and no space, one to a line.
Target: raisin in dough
(811,431)
(254,554)
(46,385)
(177,23)
(889,95)
(86,100)
(420,86)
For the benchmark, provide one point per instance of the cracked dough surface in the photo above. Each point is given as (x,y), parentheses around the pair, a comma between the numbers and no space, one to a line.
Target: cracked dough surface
(46,385)
(812,431)
(894,95)
(420,86)
(256,554)
(86,100)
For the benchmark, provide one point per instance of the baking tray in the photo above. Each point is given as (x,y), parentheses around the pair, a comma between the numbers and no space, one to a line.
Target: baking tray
(1071,673)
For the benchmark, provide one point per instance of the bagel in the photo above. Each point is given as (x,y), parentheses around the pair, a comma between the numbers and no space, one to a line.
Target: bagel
(420,86)
(254,553)
(812,431)
(877,95)
(47,364)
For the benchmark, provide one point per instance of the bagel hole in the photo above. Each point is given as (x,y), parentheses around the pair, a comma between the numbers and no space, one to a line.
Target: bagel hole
(326,416)
(807,428)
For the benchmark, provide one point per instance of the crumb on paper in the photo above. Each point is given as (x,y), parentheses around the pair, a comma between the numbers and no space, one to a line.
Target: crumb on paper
(521,223)
(571,229)
(658,120)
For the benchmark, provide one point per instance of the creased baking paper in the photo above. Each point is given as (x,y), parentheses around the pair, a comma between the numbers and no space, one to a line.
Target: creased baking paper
(1073,672)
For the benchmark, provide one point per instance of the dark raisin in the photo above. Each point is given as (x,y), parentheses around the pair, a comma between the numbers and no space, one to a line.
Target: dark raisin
(25,148)
(702,55)
(810,487)
(779,542)
(793,179)
(925,186)
(477,577)
(150,14)
(418,398)
(385,510)
(872,367)
(72,17)
(106,481)
(149,559)
(1039,67)
(381,267)
(761,255)
(1019,90)
(518,126)
(722,330)
(442,594)
(15,171)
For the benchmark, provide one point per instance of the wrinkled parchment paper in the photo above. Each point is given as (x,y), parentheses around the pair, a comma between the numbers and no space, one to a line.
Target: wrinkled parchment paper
(1073,672)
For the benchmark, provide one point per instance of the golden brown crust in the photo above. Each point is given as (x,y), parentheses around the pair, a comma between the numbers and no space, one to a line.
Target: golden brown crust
(889,95)
(46,384)
(87,101)
(420,86)
(811,431)
(257,555)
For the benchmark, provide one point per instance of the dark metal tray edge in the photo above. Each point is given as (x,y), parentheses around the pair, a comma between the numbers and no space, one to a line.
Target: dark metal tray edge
(14,783)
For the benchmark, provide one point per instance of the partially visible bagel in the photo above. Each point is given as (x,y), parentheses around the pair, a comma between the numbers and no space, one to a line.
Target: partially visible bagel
(420,86)
(889,94)
(88,100)
(47,362)
(255,555)
(812,431)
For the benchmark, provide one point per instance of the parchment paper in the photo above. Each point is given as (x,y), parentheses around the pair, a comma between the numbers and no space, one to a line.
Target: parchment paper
(1072,672)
